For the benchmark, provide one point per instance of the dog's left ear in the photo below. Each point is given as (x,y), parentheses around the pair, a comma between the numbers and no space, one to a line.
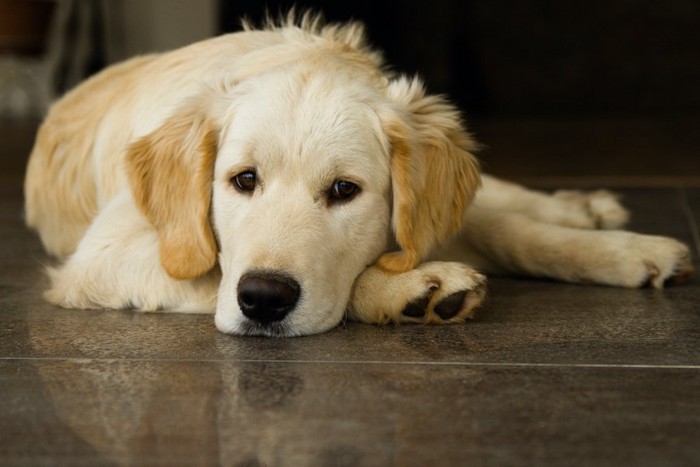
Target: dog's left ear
(434,174)
(170,171)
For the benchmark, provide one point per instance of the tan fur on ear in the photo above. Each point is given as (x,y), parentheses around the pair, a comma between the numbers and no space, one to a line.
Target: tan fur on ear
(170,171)
(434,174)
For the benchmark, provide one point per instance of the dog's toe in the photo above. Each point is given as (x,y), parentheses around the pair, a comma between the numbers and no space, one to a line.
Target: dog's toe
(433,293)
(678,270)
(605,208)
(459,292)
(599,209)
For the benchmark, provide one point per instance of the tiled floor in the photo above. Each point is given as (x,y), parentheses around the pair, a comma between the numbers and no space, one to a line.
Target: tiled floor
(548,374)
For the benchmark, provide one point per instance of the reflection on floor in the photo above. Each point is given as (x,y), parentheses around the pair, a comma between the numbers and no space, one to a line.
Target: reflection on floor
(547,374)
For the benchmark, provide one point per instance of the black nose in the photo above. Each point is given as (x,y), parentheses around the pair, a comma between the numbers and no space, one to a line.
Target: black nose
(267,296)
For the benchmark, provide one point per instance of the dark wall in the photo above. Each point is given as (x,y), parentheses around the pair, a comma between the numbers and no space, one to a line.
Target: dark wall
(517,57)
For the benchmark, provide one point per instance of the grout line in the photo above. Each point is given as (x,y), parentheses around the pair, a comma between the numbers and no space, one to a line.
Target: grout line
(367,362)
(603,181)
(690,218)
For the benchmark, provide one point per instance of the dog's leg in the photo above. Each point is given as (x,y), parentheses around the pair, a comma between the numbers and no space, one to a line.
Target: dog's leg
(117,265)
(593,210)
(514,243)
(434,292)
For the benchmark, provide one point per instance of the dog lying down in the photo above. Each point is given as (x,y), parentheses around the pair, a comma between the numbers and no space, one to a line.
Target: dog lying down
(283,179)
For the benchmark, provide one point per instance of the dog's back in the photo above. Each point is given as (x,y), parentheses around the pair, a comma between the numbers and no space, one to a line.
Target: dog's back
(60,186)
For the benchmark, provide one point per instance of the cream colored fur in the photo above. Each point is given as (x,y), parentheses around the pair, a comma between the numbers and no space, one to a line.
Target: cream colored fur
(130,183)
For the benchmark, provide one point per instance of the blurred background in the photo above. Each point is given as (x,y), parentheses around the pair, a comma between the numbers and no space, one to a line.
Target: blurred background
(602,91)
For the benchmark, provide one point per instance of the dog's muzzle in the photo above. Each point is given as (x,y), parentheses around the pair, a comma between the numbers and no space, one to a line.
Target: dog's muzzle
(266,297)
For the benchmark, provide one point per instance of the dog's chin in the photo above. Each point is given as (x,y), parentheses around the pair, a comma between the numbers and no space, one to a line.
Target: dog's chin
(284,328)
(277,329)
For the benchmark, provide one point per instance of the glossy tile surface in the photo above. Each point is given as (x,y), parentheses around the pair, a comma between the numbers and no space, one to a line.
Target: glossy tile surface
(547,374)
(273,413)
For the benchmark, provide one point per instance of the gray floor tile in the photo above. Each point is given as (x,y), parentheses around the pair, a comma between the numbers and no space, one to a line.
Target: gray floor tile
(251,413)
(524,322)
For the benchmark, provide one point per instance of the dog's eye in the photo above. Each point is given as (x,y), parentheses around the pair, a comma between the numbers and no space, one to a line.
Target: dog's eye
(342,190)
(244,181)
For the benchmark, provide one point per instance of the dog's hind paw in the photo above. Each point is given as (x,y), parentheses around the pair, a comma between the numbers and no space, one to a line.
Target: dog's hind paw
(627,259)
(433,293)
(599,209)
(669,264)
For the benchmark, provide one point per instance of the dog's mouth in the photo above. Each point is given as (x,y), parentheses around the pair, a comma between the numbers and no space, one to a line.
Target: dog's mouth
(275,329)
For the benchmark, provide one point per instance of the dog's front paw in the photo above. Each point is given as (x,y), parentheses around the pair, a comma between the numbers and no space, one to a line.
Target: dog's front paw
(434,292)
(593,210)
(443,293)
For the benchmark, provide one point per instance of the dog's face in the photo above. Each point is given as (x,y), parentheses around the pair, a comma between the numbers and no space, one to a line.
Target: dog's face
(301,202)
(294,182)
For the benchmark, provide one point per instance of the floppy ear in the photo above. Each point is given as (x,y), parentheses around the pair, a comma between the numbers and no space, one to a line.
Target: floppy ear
(170,171)
(434,175)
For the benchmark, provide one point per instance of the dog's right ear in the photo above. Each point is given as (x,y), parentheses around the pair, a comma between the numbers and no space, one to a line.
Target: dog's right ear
(170,171)
(434,173)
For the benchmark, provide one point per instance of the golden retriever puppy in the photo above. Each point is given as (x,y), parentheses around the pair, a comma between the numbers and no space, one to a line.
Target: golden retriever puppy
(282,179)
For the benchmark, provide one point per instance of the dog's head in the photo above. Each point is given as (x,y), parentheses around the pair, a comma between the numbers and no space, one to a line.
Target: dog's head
(293,183)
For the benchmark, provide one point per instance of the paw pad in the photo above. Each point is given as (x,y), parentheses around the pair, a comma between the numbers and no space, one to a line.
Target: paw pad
(417,308)
(449,306)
